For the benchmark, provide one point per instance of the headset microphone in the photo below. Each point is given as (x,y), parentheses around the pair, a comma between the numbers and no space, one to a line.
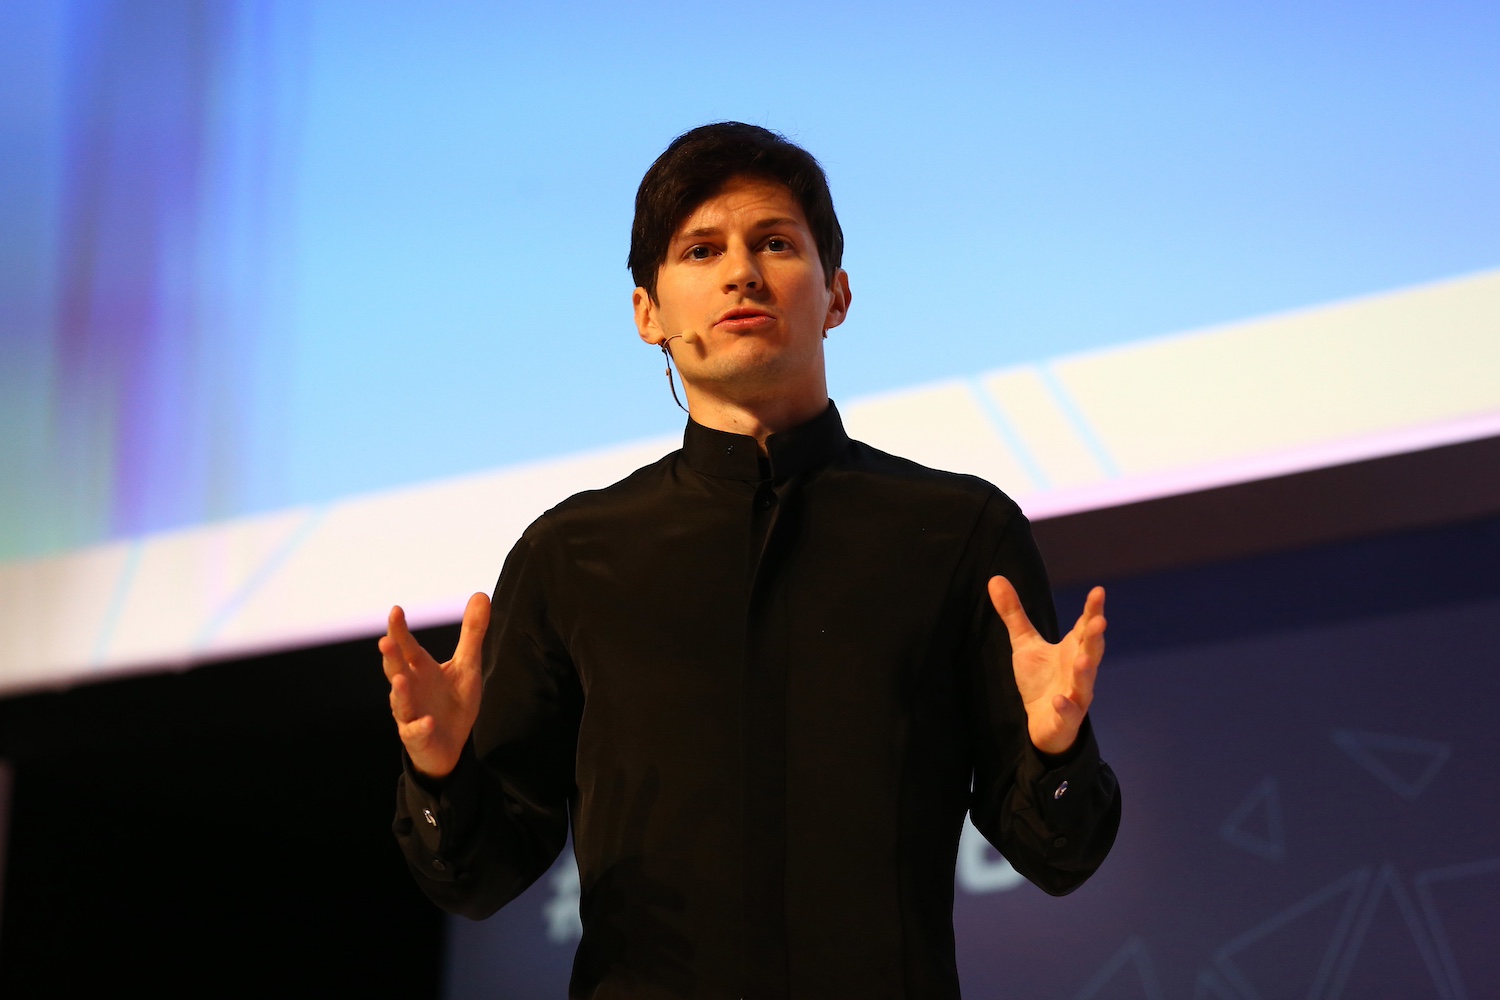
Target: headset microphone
(668,355)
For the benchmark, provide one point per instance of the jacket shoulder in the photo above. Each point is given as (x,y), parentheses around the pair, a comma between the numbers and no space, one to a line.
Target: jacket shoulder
(634,492)
(921,481)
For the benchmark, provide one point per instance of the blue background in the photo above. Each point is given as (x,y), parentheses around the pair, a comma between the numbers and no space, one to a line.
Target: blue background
(392,236)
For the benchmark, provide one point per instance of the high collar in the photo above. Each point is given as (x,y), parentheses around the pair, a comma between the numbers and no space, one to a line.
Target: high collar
(789,453)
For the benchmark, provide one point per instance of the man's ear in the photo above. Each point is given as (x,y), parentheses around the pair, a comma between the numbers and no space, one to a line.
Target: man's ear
(646,321)
(838,302)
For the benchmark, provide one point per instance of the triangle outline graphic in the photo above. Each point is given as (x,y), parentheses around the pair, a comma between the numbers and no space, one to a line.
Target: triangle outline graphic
(1132,951)
(1363,748)
(1210,987)
(1272,847)
(1387,882)
(1354,883)
(1423,882)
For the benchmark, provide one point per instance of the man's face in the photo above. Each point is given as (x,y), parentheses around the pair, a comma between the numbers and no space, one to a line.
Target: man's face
(743,287)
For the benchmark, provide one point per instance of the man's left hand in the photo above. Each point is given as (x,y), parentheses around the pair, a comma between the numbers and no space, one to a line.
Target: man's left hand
(1056,680)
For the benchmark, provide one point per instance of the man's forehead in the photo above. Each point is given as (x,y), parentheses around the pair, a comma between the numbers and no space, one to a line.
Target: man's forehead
(752,201)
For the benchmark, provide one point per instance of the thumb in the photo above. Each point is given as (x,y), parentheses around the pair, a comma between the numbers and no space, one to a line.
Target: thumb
(1008,605)
(471,633)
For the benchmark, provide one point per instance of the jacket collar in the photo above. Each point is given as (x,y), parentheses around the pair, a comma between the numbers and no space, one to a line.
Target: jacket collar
(736,456)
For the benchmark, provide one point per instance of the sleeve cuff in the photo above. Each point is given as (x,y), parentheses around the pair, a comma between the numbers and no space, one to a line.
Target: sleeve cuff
(1061,783)
(440,810)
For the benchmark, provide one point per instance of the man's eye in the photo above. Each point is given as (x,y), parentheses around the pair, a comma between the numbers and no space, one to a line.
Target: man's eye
(777,245)
(699,253)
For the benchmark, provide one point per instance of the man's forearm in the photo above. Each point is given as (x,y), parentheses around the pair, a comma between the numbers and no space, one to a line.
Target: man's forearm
(471,850)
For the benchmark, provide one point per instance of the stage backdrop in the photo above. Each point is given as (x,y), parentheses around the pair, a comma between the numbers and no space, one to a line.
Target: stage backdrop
(1311,808)
(307,307)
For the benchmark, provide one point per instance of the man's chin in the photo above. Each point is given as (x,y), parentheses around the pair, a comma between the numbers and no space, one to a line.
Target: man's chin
(745,374)
(754,359)
(753,385)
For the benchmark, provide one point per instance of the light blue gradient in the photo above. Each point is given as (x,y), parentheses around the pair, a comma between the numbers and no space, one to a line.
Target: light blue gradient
(429,278)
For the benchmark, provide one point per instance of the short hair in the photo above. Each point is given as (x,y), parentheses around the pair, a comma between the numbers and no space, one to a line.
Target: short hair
(698,165)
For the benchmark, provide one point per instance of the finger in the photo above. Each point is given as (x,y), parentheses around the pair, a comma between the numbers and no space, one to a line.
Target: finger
(416,732)
(395,624)
(1088,632)
(1008,606)
(1093,607)
(1070,711)
(1086,665)
(471,634)
(410,650)
(1081,686)
(1091,640)
(1058,733)
(391,660)
(402,709)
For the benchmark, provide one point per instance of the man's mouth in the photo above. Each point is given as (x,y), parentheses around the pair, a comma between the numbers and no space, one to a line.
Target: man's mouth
(744,318)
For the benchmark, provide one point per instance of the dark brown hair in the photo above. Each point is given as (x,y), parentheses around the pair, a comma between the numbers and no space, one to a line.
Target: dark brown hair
(697,166)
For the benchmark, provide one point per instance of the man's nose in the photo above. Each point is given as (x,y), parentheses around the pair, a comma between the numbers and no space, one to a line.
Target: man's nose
(741,269)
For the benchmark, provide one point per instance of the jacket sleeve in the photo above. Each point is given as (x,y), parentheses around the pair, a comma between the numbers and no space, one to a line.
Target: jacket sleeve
(1053,817)
(477,839)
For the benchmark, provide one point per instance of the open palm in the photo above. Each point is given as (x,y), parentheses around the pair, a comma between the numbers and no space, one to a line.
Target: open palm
(435,704)
(1056,680)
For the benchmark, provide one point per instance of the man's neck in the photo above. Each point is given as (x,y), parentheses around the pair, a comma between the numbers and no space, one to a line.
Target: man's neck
(758,418)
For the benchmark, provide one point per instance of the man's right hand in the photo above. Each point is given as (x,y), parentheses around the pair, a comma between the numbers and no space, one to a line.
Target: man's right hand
(435,704)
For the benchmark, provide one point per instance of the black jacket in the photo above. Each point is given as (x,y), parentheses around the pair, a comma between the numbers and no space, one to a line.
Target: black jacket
(764,691)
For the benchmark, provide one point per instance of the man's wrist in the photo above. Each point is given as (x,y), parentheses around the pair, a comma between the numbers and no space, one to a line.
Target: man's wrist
(431,781)
(1052,750)
(1061,758)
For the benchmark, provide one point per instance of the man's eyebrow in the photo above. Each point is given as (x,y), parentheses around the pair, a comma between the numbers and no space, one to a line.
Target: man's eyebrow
(699,232)
(780,222)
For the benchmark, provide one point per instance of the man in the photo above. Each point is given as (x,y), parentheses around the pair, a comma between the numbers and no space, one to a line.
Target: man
(764,677)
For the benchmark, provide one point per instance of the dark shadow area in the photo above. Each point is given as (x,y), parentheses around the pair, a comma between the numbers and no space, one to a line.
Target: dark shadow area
(1321,585)
(219,832)
(1338,503)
